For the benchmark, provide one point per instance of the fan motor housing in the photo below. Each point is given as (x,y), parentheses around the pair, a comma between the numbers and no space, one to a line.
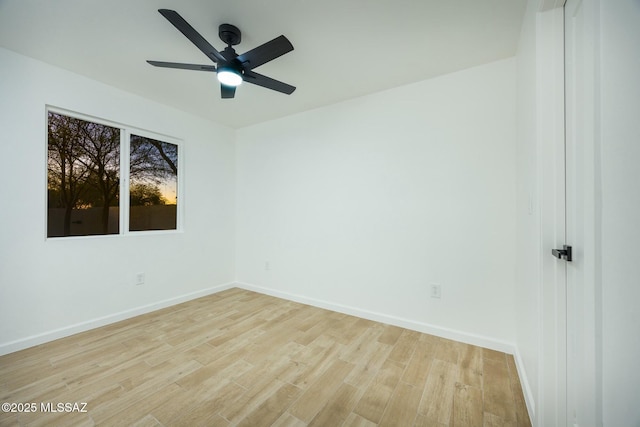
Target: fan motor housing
(230,34)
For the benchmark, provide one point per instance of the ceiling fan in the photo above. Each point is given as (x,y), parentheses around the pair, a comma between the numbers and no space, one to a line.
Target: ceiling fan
(232,69)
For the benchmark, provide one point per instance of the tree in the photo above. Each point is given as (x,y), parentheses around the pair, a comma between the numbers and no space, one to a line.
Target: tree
(83,166)
(152,160)
(102,154)
(152,163)
(145,195)
(67,174)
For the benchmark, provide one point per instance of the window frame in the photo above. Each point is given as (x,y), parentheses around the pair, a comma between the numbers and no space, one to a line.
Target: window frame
(124,202)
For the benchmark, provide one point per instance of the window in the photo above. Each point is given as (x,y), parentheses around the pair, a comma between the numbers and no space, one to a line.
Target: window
(86,174)
(153,184)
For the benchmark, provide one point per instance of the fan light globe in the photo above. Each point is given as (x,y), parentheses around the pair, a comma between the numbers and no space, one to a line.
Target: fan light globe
(229,77)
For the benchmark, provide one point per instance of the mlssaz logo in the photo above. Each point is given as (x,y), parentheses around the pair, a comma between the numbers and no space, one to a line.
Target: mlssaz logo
(63,407)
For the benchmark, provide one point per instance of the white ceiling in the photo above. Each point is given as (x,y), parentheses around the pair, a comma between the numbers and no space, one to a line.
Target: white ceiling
(343,48)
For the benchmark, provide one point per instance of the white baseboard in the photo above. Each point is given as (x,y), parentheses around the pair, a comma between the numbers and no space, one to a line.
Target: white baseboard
(467,338)
(526,387)
(21,344)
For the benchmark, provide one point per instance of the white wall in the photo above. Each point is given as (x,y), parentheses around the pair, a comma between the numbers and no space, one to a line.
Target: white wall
(528,248)
(620,194)
(51,288)
(367,202)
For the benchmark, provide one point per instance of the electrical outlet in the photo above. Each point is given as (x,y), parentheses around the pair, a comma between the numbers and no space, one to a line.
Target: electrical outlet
(436,291)
(267,265)
(140,279)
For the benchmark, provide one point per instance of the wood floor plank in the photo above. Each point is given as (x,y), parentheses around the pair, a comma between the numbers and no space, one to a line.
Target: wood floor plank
(424,421)
(390,334)
(317,394)
(216,396)
(48,385)
(203,353)
(70,420)
(90,379)
(9,419)
(374,401)
(140,386)
(467,406)
(437,399)
(491,420)
(404,346)
(245,404)
(448,350)
(363,344)
(313,368)
(242,358)
(355,420)
(272,408)
(487,353)
(288,420)
(228,368)
(103,397)
(338,407)
(403,407)
(265,344)
(368,365)
(311,317)
(498,395)
(142,407)
(419,365)
(147,421)
(275,364)
(522,414)
(470,366)
(347,330)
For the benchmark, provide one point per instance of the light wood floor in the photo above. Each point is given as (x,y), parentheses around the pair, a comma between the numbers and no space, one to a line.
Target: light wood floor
(242,358)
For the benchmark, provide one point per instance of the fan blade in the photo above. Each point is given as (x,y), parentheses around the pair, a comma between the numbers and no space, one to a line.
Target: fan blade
(183,66)
(268,82)
(190,33)
(227,91)
(265,53)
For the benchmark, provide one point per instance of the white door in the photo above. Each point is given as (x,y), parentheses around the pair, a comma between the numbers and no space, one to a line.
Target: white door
(581,139)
